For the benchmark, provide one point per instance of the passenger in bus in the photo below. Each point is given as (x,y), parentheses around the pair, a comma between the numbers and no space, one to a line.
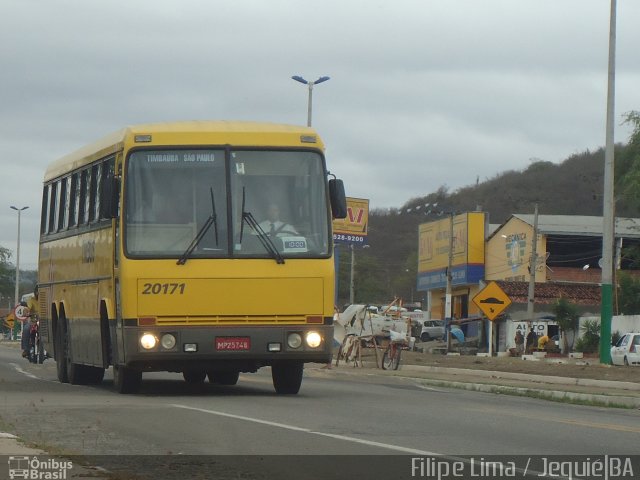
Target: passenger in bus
(274,226)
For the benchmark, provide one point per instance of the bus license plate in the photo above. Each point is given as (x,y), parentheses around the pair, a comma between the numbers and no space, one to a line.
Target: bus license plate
(233,343)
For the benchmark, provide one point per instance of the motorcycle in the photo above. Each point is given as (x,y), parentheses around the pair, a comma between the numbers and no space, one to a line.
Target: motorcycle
(37,353)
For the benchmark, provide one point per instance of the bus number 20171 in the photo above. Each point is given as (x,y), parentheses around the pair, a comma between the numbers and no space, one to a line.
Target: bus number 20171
(163,288)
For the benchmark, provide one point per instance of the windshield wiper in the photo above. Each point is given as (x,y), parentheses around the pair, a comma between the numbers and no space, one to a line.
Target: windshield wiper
(212,220)
(265,240)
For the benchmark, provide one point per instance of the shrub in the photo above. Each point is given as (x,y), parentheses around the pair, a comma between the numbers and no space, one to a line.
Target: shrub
(590,340)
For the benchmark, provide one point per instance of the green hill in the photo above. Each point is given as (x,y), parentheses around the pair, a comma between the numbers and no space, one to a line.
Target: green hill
(574,187)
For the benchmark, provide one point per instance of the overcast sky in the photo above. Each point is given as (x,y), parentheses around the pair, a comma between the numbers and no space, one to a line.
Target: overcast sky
(423,93)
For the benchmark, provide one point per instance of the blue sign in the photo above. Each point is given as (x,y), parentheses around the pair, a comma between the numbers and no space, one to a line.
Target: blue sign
(466,274)
(349,239)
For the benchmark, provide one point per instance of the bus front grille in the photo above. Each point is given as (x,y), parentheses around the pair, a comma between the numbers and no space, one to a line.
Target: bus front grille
(234,320)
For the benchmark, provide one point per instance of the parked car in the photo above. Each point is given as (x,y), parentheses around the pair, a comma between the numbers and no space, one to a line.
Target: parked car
(627,350)
(432,330)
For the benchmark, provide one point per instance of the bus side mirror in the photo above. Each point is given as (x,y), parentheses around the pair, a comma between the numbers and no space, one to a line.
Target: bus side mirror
(338,198)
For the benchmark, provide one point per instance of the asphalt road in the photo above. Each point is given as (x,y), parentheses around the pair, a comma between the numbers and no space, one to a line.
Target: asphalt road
(336,413)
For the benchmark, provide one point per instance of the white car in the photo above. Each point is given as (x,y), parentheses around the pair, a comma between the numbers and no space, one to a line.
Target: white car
(627,350)
(432,330)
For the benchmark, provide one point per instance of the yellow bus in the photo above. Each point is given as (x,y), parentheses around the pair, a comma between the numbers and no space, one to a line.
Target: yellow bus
(160,251)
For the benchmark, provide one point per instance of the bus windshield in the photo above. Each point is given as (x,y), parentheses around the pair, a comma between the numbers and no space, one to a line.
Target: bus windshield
(177,204)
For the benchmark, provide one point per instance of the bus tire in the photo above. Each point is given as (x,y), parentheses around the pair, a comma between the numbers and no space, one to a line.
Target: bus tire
(61,351)
(224,378)
(194,376)
(76,373)
(287,377)
(125,379)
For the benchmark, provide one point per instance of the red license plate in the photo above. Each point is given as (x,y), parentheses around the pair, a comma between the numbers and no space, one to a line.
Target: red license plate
(233,343)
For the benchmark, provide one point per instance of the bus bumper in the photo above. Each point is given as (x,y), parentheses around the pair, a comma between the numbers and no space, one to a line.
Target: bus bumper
(243,349)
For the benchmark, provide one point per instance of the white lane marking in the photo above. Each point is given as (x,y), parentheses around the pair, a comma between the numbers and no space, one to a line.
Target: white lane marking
(430,389)
(31,375)
(20,370)
(294,428)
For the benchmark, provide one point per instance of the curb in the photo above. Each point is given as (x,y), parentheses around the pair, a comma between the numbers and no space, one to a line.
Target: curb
(554,395)
(614,400)
(581,382)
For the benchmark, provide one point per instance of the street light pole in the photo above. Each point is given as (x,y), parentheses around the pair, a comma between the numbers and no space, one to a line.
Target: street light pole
(298,78)
(16,297)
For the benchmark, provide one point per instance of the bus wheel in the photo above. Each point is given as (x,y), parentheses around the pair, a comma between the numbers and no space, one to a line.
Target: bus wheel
(125,379)
(224,378)
(194,376)
(61,352)
(287,377)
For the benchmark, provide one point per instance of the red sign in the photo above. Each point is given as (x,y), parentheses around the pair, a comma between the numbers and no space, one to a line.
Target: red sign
(355,215)
(21,312)
(233,343)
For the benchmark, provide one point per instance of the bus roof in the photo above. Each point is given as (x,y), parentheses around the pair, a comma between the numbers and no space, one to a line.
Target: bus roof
(235,133)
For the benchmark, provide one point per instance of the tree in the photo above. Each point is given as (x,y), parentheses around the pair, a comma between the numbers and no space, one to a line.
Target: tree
(567,318)
(631,159)
(6,273)
(628,293)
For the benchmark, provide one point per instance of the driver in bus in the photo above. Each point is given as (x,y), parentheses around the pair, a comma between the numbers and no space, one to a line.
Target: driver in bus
(275,227)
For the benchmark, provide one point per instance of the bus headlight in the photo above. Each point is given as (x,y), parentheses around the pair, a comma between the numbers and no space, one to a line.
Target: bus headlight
(168,341)
(148,341)
(294,340)
(314,339)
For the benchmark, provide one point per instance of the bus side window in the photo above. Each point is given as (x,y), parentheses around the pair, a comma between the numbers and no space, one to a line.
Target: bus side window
(73,201)
(82,200)
(44,212)
(94,198)
(106,193)
(62,206)
(52,207)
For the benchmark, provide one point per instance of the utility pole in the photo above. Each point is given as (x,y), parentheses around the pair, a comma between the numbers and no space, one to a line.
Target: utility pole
(351,281)
(447,300)
(533,263)
(608,210)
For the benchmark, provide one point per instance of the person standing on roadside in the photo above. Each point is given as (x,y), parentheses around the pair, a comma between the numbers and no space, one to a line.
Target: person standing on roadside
(519,340)
(532,340)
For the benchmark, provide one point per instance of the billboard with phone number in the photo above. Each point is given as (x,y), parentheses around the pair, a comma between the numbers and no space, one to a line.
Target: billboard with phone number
(352,230)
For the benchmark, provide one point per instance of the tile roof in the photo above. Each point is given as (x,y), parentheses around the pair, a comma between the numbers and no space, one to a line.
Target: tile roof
(548,293)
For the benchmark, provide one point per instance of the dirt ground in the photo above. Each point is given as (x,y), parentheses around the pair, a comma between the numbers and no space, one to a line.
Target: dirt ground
(560,367)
